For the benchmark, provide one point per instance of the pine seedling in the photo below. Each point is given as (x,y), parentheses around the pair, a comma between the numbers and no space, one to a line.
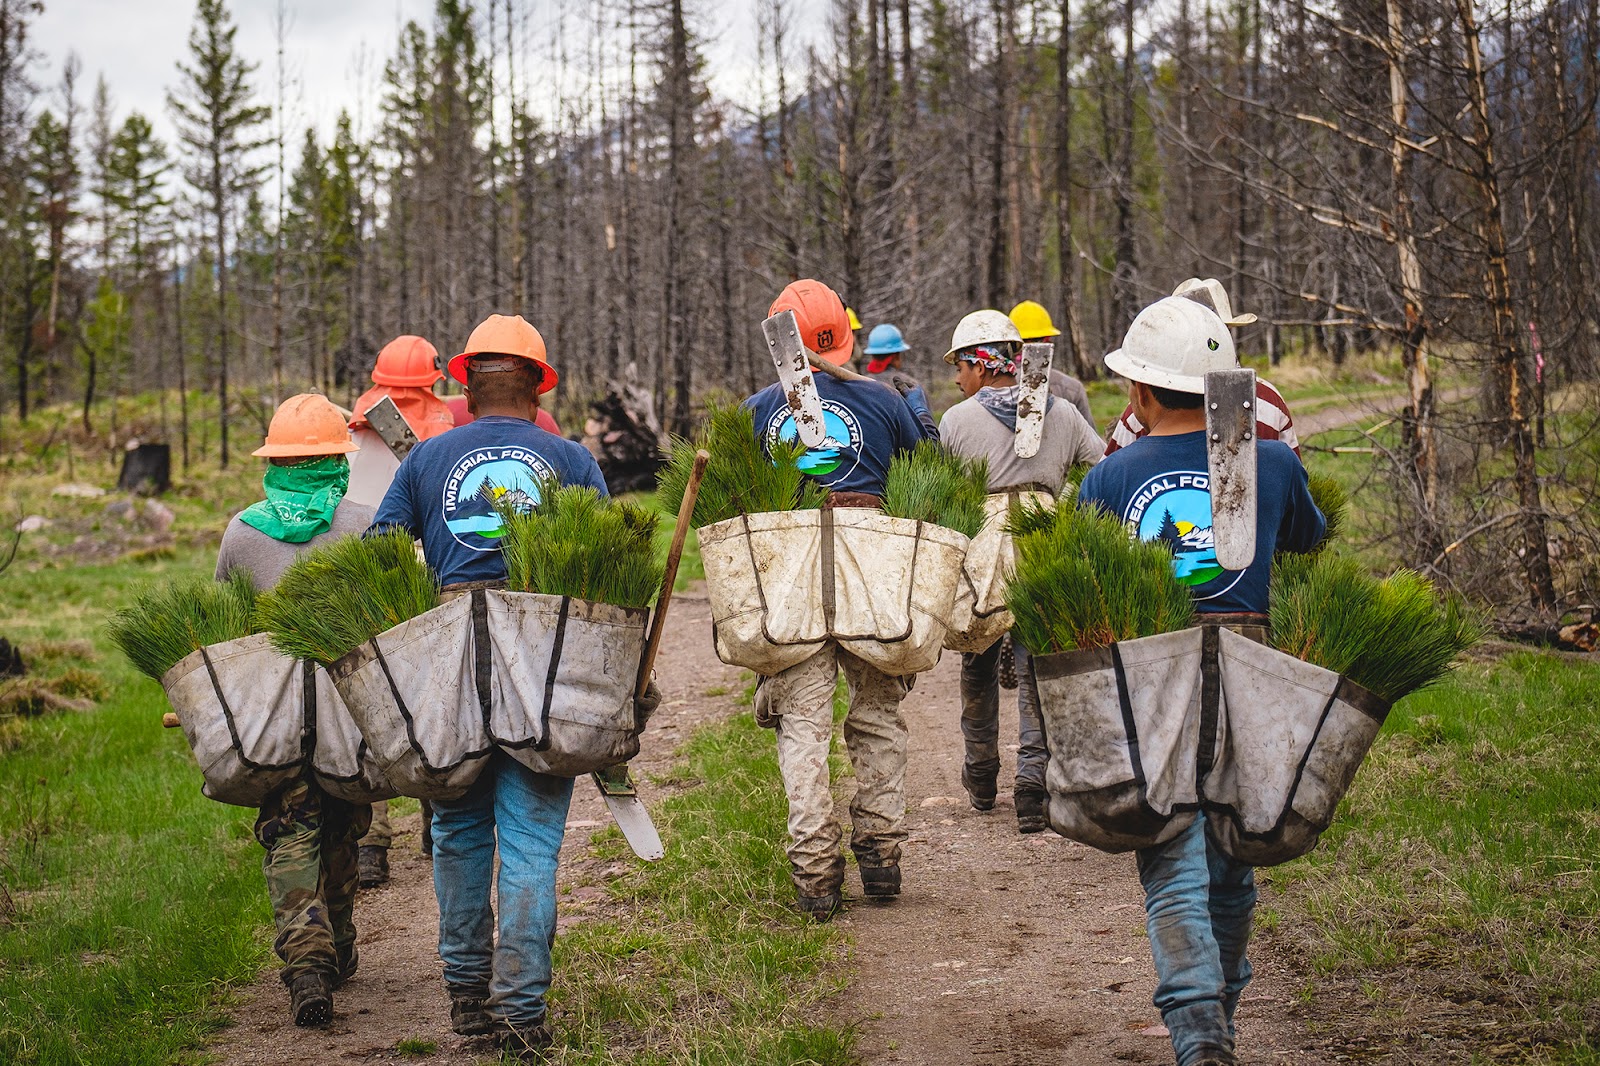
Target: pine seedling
(164,624)
(932,484)
(1332,500)
(744,476)
(577,543)
(332,600)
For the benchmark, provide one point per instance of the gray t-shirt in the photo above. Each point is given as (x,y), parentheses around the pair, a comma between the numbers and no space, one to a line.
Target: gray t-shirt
(972,432)
(247,548)
(1071,390)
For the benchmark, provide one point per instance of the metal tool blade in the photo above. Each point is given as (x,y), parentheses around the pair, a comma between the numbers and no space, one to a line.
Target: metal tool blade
(390,426)
(794,373)
(1033,398)
(1231,460)
(632,817)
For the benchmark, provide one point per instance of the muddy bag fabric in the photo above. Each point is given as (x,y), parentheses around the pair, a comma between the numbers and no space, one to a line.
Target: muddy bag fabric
(241,706)
(979,617)
(1123,724)
(410,691)
(341,761)
(1295,736)
(783,583)
(561,675)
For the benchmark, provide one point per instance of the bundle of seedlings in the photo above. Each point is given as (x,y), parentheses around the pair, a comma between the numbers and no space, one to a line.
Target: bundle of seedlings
(332,600)
(932,484)
(1391,637)
(1332,500)
(577,543)
(743,477)
(1082,582)
(163,625)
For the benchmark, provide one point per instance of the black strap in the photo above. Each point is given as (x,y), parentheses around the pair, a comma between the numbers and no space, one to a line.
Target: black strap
(1129,726)
(543,743)
(1210,705)
(828,589)
(308,728)
(481,652)
(233,729)
(410,720)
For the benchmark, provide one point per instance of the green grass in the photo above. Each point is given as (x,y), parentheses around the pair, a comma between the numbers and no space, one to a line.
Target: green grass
(415,1047)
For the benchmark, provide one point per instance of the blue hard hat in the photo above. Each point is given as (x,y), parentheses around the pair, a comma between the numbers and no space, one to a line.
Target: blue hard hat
(885,340)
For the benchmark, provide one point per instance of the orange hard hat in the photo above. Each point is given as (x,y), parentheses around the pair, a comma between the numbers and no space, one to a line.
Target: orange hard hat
(407,361)
(306,425)
(820,314)
(505,335)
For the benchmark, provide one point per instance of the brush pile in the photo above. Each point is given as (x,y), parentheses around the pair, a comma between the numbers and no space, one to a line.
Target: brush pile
(742,477)
(931,484)
(163,625)
(332,600)
(1082,582)
(577,543)
(1391,637)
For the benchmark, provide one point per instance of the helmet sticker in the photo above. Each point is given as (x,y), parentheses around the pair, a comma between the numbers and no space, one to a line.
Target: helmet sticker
(1211,342)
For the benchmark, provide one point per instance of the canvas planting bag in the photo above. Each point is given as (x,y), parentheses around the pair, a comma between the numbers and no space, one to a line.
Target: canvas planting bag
(1124,728)
(1296,736)
(341,762)
(783,583)
(979,617)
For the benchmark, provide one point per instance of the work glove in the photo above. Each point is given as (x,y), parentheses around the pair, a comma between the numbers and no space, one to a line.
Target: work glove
(766,715)
(646,705)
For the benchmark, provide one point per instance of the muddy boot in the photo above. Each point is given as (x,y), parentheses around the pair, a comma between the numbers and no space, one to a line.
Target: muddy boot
(467,1015)
(881,882)
(427,830)
(311,1000)
(1031,816)
(372,862)
(524,1043)
(819,908)
(980,792)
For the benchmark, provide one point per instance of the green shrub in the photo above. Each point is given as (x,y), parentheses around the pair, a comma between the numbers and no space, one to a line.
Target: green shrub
(741,478)
(932,484)
(166,623)
(577,543)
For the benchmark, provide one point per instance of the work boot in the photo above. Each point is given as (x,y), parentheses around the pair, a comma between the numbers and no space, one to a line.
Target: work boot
(881,882)
(820,908)
(981,793)
(1031,816)
(467,1015)
(372,866)
(524,1043)
(348,961)
(311,1000)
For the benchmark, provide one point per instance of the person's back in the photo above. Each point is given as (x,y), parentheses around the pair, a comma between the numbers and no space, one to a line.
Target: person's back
(983,426)
(265,558)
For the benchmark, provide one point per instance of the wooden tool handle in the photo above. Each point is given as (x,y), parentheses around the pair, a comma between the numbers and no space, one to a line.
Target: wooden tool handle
(842,374)
(169,721)
(680,533)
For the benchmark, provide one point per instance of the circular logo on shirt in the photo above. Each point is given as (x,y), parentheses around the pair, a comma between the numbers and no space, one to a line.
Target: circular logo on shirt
(1175,509)
(837,457)
(486,478)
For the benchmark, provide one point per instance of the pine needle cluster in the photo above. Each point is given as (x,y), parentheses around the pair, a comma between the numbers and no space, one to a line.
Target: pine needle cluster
(1391,637)
(1332,500)
(1081,581)
(332,600)
(166,623)
(741,478)
(933,484)
(578,543)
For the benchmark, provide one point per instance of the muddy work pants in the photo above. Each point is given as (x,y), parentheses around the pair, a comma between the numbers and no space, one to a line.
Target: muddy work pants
(801,700)
(310,867)
(381,833)
(980,718)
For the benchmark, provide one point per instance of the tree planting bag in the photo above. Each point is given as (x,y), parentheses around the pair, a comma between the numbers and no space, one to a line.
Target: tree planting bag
(783,583)
(241,705)
(979,616)
(1124,728)
(341,762)
(1296,734)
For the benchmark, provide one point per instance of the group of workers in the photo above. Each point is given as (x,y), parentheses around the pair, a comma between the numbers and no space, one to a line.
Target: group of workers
(1198,901)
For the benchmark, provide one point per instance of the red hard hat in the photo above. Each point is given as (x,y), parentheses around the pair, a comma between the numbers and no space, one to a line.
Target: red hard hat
(407,361)
(820,314)
(505,335)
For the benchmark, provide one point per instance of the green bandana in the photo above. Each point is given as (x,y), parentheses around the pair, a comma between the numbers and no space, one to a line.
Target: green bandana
(300,499)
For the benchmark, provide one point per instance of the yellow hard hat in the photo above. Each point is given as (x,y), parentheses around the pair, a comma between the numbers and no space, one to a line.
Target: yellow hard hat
(855,323)
(1033,321)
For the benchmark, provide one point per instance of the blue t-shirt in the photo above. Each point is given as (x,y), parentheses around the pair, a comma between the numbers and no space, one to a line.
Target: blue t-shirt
(867,423)
(1159,486)
(444,492)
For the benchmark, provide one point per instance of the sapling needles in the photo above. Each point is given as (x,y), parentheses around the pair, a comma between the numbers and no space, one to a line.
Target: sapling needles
(742,477)
(165,623)
(575,542)
(932,484)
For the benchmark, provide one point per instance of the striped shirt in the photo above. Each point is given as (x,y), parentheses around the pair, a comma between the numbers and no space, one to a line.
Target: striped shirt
(1273,421)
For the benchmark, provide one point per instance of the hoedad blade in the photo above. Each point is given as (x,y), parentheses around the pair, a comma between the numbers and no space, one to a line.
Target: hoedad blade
(1034,396)
(1231,460)
(794,374)
(390,426)
(632,817)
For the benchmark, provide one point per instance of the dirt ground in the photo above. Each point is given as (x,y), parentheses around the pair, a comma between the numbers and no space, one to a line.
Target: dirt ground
(1005,950)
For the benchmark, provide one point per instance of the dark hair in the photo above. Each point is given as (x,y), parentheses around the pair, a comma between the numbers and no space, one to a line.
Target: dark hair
(505,386)
(1173,400)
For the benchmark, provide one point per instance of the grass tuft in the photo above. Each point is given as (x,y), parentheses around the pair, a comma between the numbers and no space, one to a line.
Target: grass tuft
(166,623)
(578,543)
(335,598)
(416,1047)
(742,477)
(932,484)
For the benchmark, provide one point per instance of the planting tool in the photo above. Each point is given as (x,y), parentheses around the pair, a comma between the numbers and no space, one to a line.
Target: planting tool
(614,782)
(391,427)
(1230,400)
(799,388)
(1033,398)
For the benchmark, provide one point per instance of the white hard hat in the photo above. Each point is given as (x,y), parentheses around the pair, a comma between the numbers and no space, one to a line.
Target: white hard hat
(1210,292)
(982,327)
(1174,344)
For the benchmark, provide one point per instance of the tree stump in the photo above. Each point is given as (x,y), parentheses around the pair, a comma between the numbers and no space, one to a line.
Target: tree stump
(146,470)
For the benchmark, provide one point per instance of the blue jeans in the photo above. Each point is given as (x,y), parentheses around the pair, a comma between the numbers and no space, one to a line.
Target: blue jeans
(1198,904)
(529,812)
(980,718)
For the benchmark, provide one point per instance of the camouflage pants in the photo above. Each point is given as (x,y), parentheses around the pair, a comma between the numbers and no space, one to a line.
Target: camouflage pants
(310,868)
(801,699)
(381,833)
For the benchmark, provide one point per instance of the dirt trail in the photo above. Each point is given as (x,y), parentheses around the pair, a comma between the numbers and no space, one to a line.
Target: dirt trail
(1344,413)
